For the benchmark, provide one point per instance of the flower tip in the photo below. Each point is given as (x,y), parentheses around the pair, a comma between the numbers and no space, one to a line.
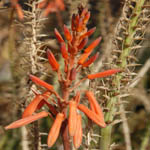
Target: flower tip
(67,33)
(52,61)
(58,36)
(7,127)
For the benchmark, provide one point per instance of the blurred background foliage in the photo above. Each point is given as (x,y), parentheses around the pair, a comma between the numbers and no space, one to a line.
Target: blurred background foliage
(104,15)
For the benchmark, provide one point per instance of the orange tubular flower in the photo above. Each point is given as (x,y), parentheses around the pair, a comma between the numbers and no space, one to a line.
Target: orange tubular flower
(83,43)
(88,51)
(41,82)
(64,51)
(77,138)
(54,64)
(55,129)
(90,61)
(92,45)
(58,36)
(32,106)
(27,120)
(67,34)
(103,74)
(93,116)
(80,25)
(83,58)
(72,117)
(88,33)
(95,106)
(37,103)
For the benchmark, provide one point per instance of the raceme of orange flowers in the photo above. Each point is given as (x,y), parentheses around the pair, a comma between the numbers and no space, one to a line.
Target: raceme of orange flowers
(74,61)
(49,6)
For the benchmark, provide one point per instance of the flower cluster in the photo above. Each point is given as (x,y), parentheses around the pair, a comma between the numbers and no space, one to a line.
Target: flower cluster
(49,6)
(74,61)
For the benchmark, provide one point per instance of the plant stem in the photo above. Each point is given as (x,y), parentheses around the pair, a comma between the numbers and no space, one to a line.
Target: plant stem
(126,48)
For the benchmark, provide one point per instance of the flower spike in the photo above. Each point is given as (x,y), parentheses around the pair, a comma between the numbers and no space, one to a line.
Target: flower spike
(103,74)
(54,64)
(55,129)
(41,82)
(27,120)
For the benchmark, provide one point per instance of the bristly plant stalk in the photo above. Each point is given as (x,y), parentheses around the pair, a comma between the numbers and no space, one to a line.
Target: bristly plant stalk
(126,49)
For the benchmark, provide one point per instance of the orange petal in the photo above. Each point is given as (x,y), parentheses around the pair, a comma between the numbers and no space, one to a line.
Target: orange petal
(103,74)
(26,120)
(93,116)
(77,139)
(83,58)
(58,36)
(55,129)
(54,64)
(90,32)
(41,82)
(32,106)
(83,43)
(67,34)
(92,45)
(64,50)
(95,106)
(91,60)
(72,117)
